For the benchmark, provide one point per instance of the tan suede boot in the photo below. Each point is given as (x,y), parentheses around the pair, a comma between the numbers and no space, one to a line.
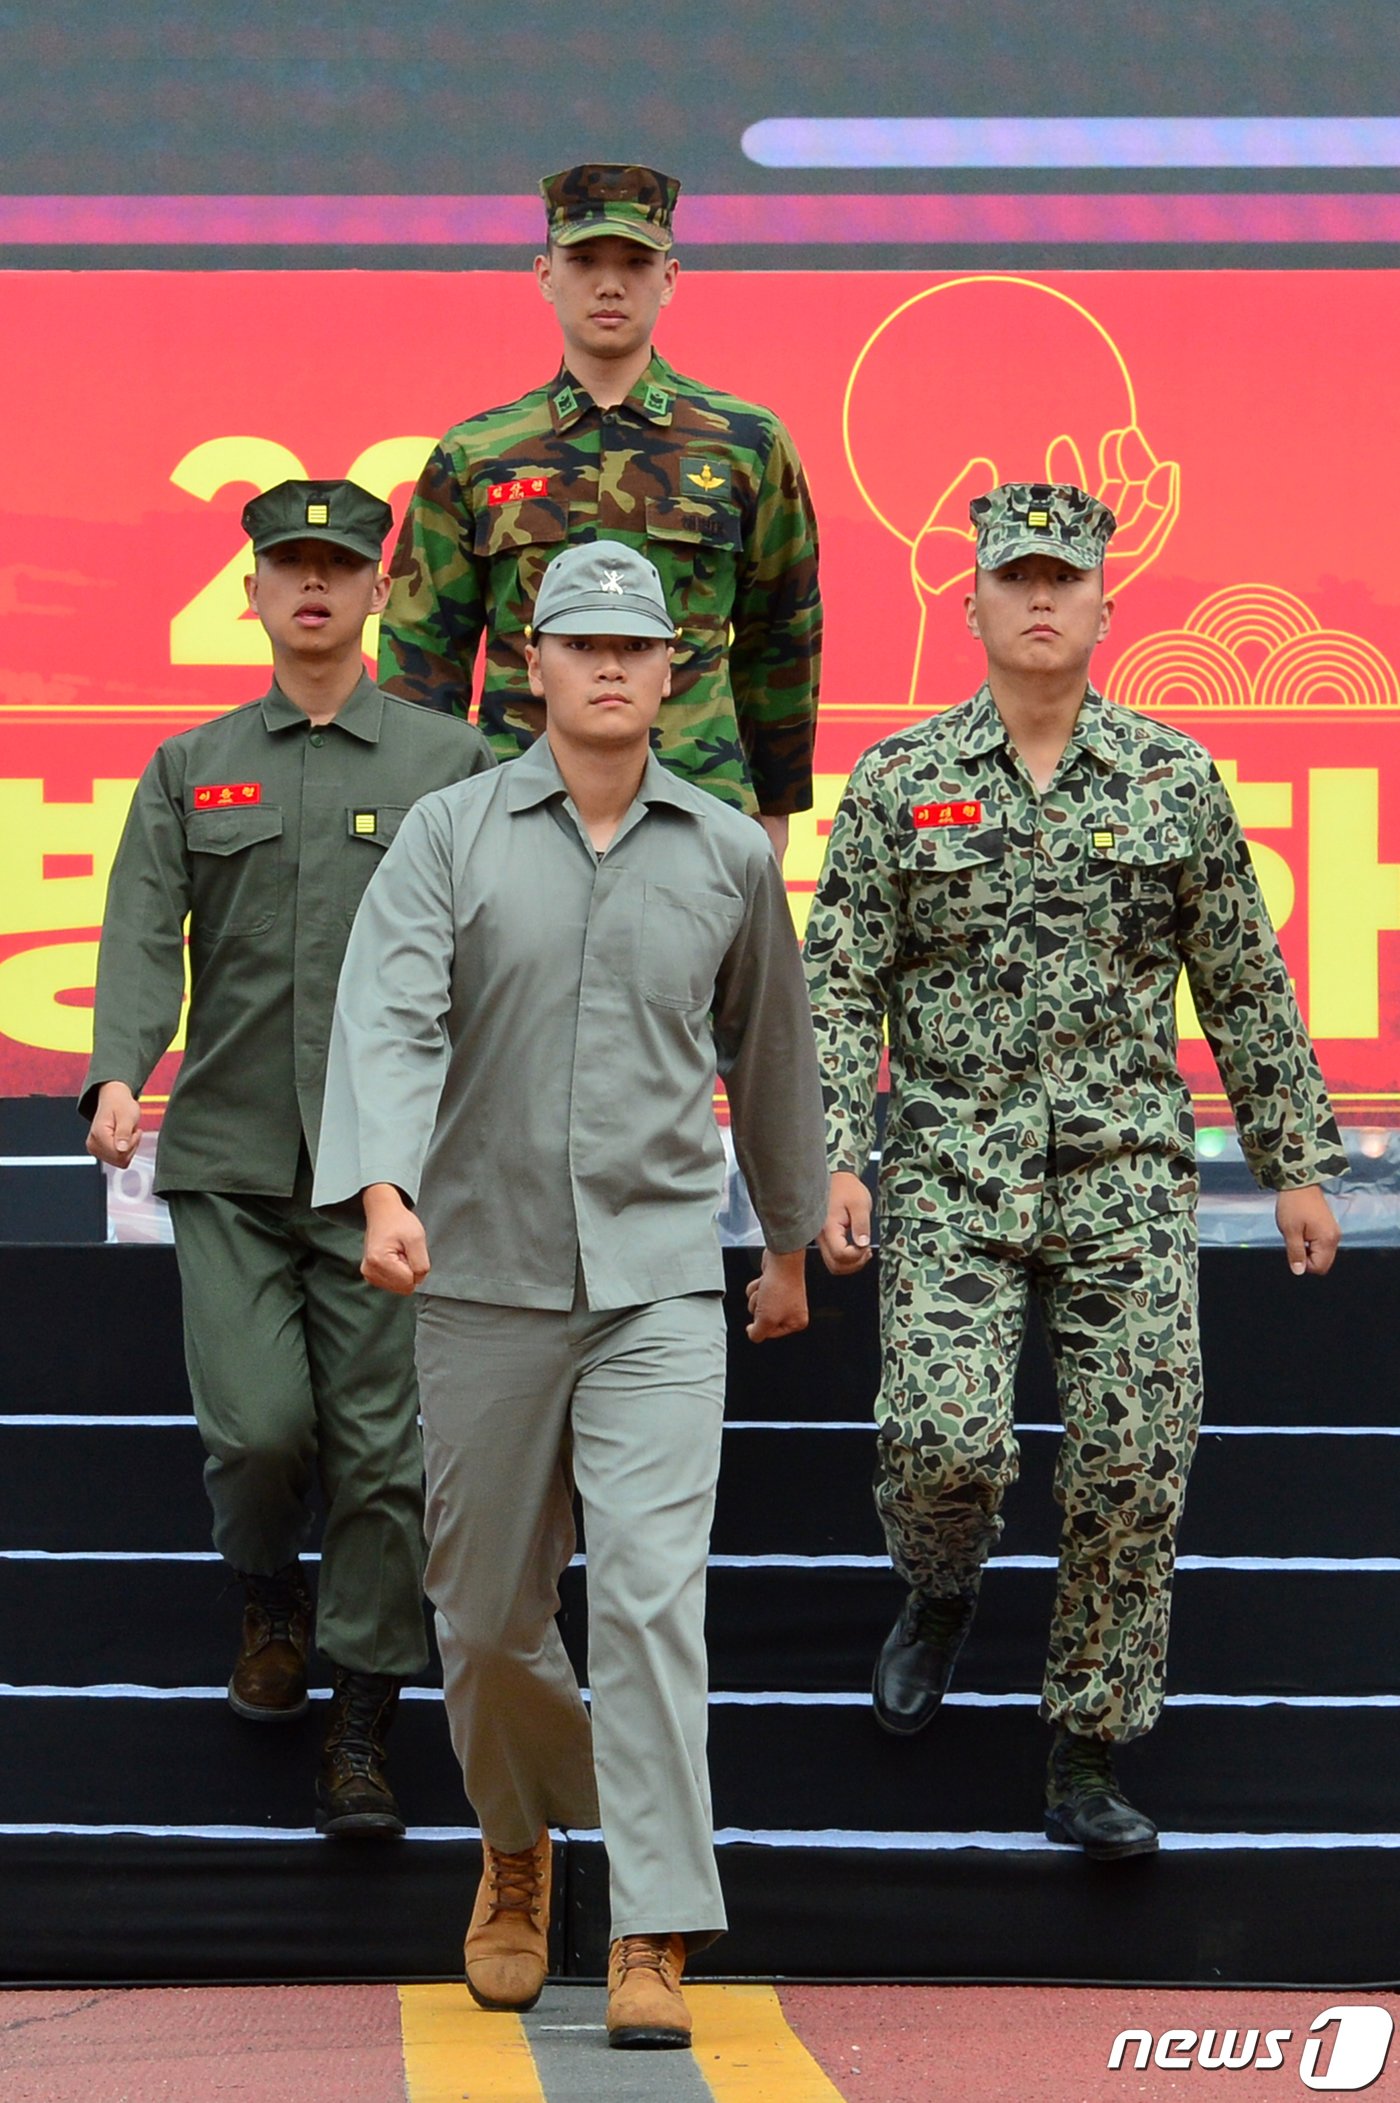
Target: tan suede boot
(507,1946)
(645,2006)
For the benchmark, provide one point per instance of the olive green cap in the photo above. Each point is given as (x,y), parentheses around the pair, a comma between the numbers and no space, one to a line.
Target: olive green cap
(340,512)
(605,197)
(1041,518)
(601,587)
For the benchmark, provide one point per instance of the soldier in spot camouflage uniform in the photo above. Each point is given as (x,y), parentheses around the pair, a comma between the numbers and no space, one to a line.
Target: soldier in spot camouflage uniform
(619,445)
(1016,896)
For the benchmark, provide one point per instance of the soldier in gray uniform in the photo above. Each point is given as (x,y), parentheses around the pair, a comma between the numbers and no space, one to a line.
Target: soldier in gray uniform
(1015,887)
(543,978)
(263,826)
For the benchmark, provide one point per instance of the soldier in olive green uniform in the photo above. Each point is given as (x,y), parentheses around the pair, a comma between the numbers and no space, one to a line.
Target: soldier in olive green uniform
(620,445)
(1015,887)
(263,826)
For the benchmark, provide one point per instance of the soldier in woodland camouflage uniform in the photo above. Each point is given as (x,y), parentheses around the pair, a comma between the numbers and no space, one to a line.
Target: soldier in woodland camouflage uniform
(1015,886)
(618,445)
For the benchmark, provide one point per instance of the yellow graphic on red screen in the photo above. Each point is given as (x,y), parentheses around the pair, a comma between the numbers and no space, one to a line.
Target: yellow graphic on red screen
(1257,649)
(989,379)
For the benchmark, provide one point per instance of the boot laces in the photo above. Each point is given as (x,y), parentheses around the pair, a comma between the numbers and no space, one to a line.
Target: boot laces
(646,1953)
(1086,1766)
(361,1698)
(515,1881)
(939,1621)
(279,1600)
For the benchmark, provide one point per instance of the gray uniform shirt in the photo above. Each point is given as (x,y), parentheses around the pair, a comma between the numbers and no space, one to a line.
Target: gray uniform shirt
(527,1035)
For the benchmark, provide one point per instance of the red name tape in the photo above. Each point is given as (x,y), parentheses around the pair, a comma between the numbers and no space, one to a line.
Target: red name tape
(221,795)
(927,814)
(516,492)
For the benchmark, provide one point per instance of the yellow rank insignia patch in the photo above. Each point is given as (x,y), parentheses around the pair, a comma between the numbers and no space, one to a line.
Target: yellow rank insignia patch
(366,821)
(1037,518)
(318,514)
(701,475)
(1103,840)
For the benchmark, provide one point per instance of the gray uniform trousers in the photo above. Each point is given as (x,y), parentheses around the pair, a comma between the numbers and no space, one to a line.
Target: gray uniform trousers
(519,1406)
(299,1369)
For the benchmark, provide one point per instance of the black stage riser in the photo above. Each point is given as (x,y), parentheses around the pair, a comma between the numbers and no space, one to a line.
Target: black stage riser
(1233,1632)
(774,1768)
(1277,1350)
(138,1910)
(792,1492)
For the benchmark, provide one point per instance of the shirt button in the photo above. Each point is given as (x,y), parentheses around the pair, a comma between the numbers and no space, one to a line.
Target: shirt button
(317,738)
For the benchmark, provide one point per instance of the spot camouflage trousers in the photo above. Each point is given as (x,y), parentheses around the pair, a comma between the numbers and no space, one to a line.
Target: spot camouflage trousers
(1120,1315)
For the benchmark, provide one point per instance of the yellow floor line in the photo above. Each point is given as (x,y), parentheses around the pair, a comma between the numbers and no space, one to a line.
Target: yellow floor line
(452,2049)
(746,2051)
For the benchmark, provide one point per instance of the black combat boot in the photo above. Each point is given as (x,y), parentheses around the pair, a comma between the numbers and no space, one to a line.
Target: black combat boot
(1084,1807)
(268,1684)
(913,1670)
(353,1797)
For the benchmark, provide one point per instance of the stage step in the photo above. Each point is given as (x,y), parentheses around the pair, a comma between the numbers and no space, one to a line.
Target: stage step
(845,1852)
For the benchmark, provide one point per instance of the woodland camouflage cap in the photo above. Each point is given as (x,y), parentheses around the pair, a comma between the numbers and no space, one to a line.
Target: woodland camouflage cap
(604,197)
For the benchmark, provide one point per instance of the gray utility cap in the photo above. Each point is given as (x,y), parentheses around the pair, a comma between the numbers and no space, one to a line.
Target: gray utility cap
(601,587)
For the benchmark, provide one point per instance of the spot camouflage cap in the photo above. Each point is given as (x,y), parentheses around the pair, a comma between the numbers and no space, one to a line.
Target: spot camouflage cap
(1041,518)
(604,197)
(601,587)
(340,512)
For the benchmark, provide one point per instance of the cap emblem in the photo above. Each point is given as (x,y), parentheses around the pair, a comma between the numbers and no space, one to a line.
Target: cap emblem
(318,514)
(1037,518)
(611,581)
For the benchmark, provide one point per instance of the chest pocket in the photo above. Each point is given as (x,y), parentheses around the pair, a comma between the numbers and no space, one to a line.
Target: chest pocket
(956,886)
(696,547)
(498,528)
(370,827)
(685,935)
(1130,888)
(236,866)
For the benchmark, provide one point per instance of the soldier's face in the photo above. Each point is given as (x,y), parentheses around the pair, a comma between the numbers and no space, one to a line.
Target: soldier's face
(599,691)
(1038,614)
(314,598)
(607,293)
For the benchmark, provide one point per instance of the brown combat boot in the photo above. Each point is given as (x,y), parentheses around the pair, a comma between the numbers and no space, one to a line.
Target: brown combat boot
(268,1684)
(507,1945)
(353,1797)
(645,2006)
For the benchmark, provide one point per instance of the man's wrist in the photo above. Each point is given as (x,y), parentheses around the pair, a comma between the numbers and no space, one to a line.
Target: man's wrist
(383,1197)
(793,1258)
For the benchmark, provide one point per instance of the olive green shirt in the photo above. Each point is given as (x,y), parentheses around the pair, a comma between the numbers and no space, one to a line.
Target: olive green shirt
(527,1035)
(1025,949)
(264,831)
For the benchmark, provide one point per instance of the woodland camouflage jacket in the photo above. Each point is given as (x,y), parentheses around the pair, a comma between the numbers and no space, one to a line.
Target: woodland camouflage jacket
(713,492)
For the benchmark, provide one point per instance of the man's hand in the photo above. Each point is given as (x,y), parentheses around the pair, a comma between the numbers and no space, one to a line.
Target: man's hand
(778,1297)
(845,1239)
(116,1125)
(1310,1233)
(396,1248)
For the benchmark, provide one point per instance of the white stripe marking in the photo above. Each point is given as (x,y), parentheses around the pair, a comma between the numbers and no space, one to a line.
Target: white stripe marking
(1385,1565)
(55,1420)
(844,1698)
(737,1836)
